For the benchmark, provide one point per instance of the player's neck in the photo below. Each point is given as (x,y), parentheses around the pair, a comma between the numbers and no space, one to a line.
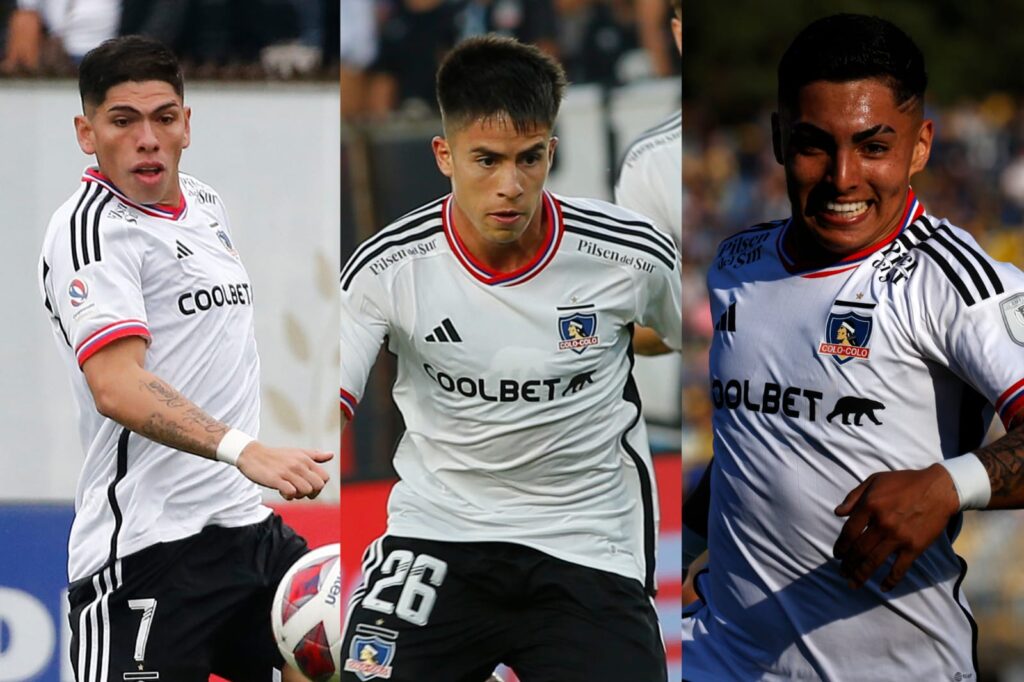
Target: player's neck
(501,257)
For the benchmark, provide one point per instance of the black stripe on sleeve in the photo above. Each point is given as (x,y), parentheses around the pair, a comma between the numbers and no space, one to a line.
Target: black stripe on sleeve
(354,270)
(950,272)
(388,232)
(74,229)
(122,471)
(650,233)
(966,264)
(616,240)
(997,284)
(96,255)
(84,227)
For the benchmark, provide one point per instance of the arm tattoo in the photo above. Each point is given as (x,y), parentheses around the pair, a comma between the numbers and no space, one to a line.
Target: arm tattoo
(182,426)
(1004,461)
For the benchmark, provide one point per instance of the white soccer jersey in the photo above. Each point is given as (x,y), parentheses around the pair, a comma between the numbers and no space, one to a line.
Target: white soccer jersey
(111,268)
(522,420)
(651,178)
(819,379)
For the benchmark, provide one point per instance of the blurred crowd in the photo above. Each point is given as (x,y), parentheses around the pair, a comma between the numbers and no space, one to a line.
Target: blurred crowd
(237,39)
(975,178)
(597,41)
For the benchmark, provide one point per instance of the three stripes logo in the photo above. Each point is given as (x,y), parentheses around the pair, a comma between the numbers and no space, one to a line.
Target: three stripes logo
(444,333)
(183,250)
(727,320)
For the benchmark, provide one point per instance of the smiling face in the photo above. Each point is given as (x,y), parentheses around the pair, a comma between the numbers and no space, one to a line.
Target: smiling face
(497,175)
(137,134)
(849,152)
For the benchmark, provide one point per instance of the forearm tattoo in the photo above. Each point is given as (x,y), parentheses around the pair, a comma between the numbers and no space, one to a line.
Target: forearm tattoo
(183,425)
(1004,461)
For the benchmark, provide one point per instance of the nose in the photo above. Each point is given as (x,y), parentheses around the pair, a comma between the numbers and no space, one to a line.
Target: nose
(845,170)
(510,185)
(147,140)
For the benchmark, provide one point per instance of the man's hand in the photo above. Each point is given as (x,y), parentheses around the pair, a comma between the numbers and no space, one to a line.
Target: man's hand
(293,472)
(895,512)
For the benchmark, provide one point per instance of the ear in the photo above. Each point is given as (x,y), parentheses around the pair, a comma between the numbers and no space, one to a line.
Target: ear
(188,127)
(677,33)
(551,150)
(443,155)
(85,134)
(777,138)
(922,146)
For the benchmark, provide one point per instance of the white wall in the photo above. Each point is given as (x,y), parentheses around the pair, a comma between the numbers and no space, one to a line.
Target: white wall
(250,143)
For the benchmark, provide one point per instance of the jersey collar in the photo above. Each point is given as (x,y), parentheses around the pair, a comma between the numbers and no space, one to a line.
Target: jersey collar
(552,238)
(911,212)
(156,210)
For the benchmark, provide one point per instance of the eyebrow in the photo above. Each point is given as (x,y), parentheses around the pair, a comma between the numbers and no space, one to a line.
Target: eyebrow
(125,108)
(880,129)
(539,147)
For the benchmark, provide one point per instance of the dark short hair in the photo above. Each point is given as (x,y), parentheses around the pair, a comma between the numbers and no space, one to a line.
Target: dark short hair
(847,47)
(490,76)
(127,58)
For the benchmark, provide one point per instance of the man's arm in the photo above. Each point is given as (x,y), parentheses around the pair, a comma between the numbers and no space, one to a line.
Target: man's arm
(647,342)
(144,403)
(902,512)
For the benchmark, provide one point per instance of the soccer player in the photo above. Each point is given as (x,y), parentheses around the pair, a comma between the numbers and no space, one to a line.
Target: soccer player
(651,176)
(522,530)
(173,559)
(894,415)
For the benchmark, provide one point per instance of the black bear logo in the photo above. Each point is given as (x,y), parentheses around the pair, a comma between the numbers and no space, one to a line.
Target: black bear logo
(857,407)
(577,383)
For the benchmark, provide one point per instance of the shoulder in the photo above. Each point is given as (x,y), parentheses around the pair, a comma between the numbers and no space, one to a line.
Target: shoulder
(942,256)
(80,227)
(613,226)
(666,136)
(413,234)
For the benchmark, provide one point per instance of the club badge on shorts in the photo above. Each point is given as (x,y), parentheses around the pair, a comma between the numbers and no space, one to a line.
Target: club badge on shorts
(847,334)
(371,653)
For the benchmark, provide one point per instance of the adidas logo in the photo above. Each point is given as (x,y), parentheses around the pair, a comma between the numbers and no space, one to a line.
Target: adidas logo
(183,251)
(445,333)
(727,322)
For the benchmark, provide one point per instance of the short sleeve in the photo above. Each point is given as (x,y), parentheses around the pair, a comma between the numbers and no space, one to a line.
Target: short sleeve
(95,275)
(364,325)
(659,300)
(972,310)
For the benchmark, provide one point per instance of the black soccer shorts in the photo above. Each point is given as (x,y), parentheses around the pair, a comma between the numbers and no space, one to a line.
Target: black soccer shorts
(178,611)
(431,611)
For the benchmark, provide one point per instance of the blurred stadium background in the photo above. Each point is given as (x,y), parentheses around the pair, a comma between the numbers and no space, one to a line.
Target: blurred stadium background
(974,53)
(624,72)
(265,134)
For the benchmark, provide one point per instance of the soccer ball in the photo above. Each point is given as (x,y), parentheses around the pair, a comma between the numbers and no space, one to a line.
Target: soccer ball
(306,614)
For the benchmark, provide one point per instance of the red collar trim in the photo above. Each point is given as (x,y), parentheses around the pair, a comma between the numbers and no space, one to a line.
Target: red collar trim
(552,217)
(911,212)
(156,210)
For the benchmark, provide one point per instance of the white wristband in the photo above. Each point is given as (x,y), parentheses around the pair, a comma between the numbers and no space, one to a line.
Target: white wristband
(231,446)
(970,478)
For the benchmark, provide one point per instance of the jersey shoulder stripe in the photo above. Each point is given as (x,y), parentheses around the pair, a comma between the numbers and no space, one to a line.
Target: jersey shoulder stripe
(967,268)
(636,234)
(414,226)
(84,225)
(669,125)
